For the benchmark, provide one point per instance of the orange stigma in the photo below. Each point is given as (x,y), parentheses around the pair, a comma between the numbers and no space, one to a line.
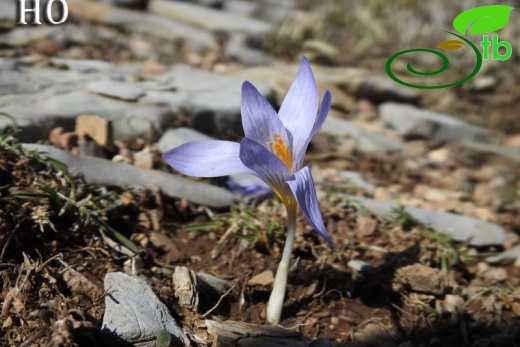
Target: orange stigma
(280,150)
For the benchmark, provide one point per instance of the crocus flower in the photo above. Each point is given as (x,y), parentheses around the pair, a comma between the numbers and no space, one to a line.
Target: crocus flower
(273,150)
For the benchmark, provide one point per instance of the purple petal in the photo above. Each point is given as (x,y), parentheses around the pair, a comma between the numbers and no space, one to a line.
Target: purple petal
(265,165)
(322,115)
(300,107)
(259,119)
(207,159)
(302,186)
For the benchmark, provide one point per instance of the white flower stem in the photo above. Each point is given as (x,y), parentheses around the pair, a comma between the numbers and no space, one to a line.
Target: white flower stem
(275,304)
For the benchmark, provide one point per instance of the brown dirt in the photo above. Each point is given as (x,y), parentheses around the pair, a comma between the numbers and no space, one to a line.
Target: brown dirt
(326,298)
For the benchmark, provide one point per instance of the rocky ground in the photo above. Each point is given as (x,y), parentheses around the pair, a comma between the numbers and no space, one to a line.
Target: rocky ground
(419,189)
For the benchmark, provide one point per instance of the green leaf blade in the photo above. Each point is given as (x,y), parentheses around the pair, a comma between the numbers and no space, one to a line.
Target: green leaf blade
(483,19)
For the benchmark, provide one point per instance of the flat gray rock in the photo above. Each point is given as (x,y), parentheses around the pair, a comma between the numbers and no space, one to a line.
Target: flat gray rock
(510,153)
(357,180)
(130,120)
(505,257)
(178,136)
(142,22)
(211,100)
(368,142)
(8,64)
(21,36)
(381,89)
(115,89)
(106,172)
(83,65)
(210,19)
(475,231)
(134,314)
(413,122)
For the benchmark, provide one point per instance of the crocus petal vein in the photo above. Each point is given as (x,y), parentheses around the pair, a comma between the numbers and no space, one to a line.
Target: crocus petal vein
(322,115)
(302,186)
(207,159)
(300,106)
(259,119)
(265,164)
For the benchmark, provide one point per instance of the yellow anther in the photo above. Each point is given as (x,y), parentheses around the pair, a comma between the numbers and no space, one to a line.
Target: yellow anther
(281,150)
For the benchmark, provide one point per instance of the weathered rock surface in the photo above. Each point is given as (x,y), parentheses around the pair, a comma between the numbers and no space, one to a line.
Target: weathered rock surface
(178,136)
(142,22)
(209,19)
(105,172)
(115,89)
(475,231)
(134,314)
(212,100)
(369,142)
(412,122)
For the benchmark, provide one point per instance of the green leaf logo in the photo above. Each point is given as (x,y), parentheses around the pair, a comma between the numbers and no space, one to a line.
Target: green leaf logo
(483,19)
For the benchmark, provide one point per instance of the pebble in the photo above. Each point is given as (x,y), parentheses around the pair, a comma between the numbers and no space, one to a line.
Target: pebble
(263,279)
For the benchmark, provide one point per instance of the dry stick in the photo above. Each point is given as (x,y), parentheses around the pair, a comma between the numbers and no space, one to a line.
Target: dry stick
(216,251)
(225,294)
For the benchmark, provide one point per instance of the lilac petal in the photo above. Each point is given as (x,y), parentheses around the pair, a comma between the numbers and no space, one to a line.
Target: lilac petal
(259,119)
(302,186)
(300,106)
(322,115)
(265,165)
(207,159)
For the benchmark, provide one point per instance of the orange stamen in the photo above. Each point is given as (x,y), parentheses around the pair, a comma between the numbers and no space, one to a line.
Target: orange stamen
(281,150)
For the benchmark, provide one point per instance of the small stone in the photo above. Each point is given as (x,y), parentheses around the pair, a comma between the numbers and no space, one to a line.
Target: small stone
(513,141)
(69,140)
(359,265)
(515,307)
(97,128)
(483,83)
(421,278)
(453,304)
(365,226)
(517,262)
(490,274)
(8,323)
(144,158)
(439,155)
(118,158)
(55,136)
(263,279)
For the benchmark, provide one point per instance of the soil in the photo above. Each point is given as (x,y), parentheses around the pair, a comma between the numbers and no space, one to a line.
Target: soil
(421,288)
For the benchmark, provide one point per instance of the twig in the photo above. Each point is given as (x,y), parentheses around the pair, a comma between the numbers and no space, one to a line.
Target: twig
(218,247)
(225,294)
